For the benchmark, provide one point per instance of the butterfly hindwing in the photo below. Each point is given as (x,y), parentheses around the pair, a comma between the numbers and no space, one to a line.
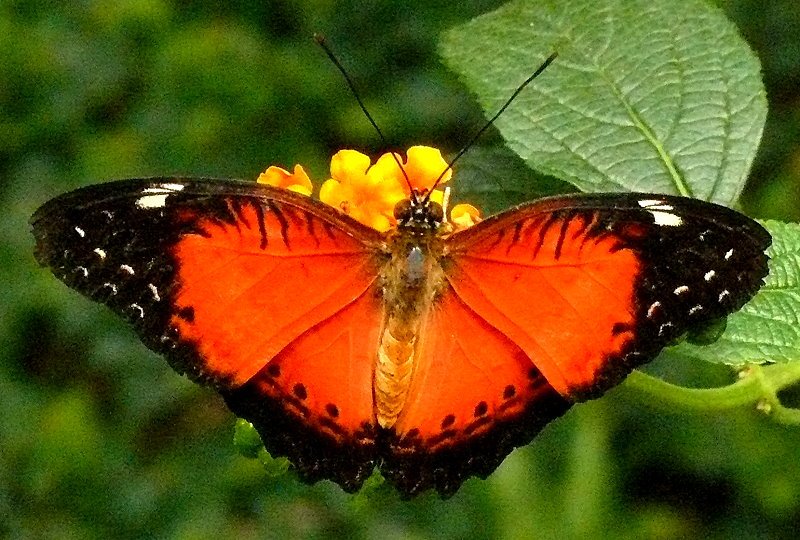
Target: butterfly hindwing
(321,384)
(474,397)
(224,278)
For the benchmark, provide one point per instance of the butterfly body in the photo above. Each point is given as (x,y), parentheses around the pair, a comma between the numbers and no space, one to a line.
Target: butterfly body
(427,353)
(410,282)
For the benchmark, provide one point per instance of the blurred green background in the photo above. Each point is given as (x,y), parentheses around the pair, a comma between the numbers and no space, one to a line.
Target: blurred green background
(100,439)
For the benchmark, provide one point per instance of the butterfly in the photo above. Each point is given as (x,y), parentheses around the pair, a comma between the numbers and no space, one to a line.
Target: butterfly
(426,351)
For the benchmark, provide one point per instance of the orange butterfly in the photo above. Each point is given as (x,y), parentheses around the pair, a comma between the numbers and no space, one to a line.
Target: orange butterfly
(424,348)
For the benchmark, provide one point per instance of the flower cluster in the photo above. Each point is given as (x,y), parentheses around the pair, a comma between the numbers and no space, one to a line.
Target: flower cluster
(369,192)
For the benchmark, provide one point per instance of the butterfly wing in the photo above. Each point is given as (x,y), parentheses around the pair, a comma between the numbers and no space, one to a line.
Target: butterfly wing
(591,286)
(251,289)
(554,302)
(273,299)
(474,397)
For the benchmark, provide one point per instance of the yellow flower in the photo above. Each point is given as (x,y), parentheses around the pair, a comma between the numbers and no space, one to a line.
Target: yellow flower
(297,181)
(364,193)
(369,193)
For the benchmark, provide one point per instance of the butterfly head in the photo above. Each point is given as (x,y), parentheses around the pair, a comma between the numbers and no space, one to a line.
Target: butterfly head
(418,213)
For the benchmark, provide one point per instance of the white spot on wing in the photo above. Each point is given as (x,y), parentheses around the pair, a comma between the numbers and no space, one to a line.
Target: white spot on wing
(100,253)
(696,309)
(156,196)
(152,201)
(667,219)
(649,203)
(154,290)
(172,187)
(126,268)
(654,307)
(164,189)
(728,254)
(709,275)
(680,290)
(139,309)
(80,232)
(110,286)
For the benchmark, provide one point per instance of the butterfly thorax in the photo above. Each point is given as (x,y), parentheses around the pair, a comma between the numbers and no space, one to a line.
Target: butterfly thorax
(411,281)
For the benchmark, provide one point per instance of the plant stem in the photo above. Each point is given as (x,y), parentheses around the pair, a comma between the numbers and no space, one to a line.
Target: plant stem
(757,387)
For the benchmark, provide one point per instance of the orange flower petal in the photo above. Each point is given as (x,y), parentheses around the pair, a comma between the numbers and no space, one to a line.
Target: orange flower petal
(349,165)
(369,193)
(424,166)
(386,169)
(381,222)
(464,215)
(297,181)
(336,194)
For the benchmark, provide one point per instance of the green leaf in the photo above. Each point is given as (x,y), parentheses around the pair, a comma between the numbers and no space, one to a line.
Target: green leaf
(500,179)
(707,333)
(248,443)
(274,467)
(767,329)
(246,439)
(645,95)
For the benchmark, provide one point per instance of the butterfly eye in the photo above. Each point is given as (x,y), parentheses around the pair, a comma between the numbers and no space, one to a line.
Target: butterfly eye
(402,210)
(435,212)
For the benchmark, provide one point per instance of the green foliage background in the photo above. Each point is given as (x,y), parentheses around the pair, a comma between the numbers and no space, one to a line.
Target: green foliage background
(98,438)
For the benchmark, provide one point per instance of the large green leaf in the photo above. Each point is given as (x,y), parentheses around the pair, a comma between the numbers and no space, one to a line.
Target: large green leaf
(768,327)
(646,95)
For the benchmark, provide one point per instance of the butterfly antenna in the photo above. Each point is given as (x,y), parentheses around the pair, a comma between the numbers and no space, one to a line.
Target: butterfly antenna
(480,132)
(320,39)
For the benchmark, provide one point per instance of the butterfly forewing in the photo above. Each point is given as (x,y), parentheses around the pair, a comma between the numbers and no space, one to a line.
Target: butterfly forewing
(590,286)
(237,284)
